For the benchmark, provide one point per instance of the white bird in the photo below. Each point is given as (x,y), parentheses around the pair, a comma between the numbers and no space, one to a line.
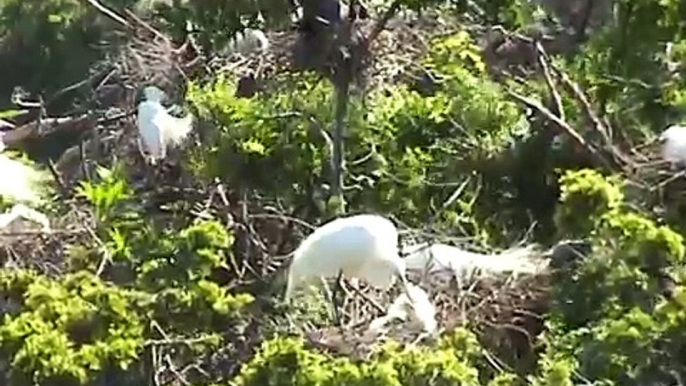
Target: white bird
(673,141)
(250,40)
(361,246)
(419,316)
(20,183)
(158,129)
(468,266)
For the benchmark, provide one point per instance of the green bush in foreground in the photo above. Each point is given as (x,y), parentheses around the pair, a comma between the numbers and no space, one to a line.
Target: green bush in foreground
(66,331)
(611,316)
(285,361)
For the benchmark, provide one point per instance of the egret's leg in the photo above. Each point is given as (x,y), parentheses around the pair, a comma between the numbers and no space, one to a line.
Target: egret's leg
(331,297)
(337,300)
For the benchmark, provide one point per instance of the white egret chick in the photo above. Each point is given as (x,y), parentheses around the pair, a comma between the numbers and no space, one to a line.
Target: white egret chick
(158,129)
(673,141)
(420,315)
(362,246)
(250,40)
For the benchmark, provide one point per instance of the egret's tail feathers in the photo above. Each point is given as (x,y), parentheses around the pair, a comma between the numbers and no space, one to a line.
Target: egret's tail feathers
(521,260)
(446,258)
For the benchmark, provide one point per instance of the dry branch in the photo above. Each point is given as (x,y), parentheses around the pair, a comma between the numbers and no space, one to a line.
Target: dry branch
(39,129)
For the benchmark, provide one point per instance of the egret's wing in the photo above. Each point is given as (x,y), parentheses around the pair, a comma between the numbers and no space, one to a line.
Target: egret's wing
(150,124)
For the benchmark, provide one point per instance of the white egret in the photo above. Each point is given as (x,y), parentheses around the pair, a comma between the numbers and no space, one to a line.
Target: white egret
(158,129)
(361,247)
(250,40)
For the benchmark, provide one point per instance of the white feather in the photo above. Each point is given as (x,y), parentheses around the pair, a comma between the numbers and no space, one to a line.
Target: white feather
(467,266)
(20,183)
(674,145)
(250,40)
(361,246)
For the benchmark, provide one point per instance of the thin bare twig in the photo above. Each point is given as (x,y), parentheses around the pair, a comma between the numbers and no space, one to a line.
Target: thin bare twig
(560,123)
(113,15)
(543,62)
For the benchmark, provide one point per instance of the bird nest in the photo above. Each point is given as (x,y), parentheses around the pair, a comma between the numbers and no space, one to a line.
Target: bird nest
(506,313)
(391,56)
(27,246)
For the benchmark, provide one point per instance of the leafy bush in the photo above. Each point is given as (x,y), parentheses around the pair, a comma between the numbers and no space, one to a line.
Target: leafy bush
(67,331)
(48,45)
(285,361)
(609,313)
(419,145)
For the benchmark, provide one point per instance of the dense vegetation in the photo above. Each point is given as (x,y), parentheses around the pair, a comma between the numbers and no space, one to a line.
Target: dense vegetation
(174,276)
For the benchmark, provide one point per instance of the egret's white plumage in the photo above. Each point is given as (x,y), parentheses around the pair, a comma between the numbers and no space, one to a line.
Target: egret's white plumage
(19,182)
(467,266)
(158,129)
(361,246)
(674,145)
(250,40)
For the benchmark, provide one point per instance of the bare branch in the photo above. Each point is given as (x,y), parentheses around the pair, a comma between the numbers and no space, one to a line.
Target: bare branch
(114,16)
(543,62)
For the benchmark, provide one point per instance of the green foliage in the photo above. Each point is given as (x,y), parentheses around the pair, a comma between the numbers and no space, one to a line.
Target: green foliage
(443,157)
(623,67)
(585,197)
(173,264)
(285,361)
(46,45)
(421,147)
(66,331)
(608,313)
(106,194)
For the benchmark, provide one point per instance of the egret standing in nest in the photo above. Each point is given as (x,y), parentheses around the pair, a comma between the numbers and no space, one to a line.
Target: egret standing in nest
(158,129)
(362,246)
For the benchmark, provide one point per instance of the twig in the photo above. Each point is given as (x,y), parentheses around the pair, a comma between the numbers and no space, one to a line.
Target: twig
(58,179)
(559,122)
(543,62)
(177,374)
(177,341)
(108,12)
(600,127)
(381,24)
